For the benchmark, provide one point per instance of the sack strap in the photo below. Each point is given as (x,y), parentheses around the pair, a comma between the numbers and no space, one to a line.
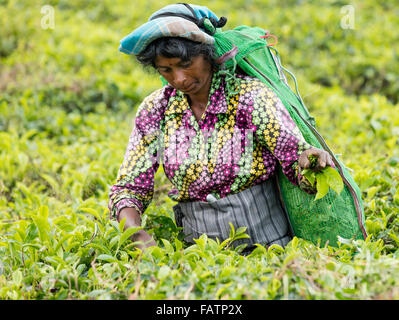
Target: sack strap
(228,55)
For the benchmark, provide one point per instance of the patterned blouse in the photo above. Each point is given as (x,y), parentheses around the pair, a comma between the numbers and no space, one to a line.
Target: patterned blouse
(235,145)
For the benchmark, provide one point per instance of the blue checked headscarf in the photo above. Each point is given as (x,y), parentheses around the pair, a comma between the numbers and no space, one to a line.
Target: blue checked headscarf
(192,22)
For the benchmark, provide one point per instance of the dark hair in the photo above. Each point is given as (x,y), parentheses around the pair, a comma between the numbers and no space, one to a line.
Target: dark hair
(175,47)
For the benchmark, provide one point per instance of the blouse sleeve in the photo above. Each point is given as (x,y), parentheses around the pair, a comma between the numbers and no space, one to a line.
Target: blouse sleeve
(275,129)
(135,182)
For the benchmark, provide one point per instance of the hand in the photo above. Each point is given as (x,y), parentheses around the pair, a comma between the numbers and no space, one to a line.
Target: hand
(145,238)
(133,220)
(324,159)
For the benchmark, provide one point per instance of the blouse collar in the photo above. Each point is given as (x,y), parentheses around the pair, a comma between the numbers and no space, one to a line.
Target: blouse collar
(178,103)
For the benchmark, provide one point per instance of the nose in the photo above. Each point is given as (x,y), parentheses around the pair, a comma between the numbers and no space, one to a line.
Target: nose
(180,78)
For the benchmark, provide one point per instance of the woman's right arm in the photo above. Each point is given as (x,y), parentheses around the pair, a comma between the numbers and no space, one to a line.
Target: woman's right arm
(134,188)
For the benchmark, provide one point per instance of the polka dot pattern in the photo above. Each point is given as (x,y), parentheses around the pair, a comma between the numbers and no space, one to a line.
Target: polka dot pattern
(235,145)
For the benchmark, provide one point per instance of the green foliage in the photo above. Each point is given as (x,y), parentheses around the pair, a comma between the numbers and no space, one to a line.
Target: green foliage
(67,100)
(324,179)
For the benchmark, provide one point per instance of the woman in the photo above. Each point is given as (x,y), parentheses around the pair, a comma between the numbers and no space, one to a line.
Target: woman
(219,139)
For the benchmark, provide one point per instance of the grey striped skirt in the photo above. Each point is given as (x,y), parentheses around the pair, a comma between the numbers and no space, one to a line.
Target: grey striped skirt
(258,208)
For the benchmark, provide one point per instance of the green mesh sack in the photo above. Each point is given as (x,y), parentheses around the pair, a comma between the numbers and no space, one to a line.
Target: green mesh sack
(323,220)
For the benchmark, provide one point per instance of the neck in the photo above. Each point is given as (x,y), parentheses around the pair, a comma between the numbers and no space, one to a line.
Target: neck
(198,101)
(200,98)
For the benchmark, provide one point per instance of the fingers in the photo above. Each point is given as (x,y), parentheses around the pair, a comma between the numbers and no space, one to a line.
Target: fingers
(305,164)
(303,160)
(330,161)
(324,159)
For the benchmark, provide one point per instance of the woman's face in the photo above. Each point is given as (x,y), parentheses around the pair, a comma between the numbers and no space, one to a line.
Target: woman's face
(191,77)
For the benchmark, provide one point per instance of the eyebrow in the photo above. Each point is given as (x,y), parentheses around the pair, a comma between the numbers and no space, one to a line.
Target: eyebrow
(179,63)
(158,66)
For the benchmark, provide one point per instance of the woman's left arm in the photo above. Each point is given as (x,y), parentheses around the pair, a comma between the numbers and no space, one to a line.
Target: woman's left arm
(279,133)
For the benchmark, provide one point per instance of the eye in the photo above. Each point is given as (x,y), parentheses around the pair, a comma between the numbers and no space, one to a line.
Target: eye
(163,70)
(185,64)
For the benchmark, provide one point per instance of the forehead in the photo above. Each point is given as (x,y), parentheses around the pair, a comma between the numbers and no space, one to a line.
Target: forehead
(170,62)
(163,61)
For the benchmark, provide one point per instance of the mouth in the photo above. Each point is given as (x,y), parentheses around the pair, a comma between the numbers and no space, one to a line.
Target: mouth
(188,88)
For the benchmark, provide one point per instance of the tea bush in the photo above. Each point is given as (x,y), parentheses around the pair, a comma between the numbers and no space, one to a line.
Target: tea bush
(67,102)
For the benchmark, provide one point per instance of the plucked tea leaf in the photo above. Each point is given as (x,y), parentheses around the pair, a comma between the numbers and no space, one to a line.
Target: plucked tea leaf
(322,185)
(313,161)
(334,179)
(310,175)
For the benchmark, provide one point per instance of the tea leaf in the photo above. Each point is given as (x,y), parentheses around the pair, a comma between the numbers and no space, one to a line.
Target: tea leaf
(107,257)
(322,185)
(127,234)
(310,175)
(334,179)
